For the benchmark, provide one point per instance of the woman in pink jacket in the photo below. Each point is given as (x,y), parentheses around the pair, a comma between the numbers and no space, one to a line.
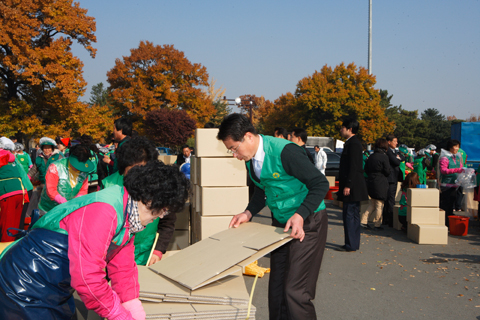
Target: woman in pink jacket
(71,247)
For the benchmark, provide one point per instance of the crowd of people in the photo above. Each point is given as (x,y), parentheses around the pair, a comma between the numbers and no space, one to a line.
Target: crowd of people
(72,247)
(138,197)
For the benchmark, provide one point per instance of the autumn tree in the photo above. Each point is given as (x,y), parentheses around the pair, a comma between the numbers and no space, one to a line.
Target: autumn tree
(169,128)
(40,79)
(155,77)
(322,100)
(221,110)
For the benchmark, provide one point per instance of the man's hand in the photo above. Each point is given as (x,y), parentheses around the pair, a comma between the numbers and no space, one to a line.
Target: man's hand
(296,223)
(154,259)
(240,218)
(106,159)
(346,191)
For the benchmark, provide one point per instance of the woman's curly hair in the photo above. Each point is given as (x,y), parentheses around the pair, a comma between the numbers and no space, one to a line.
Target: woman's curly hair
(158,186)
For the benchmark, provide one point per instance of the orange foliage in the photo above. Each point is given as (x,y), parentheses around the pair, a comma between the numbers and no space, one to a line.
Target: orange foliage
(155,77)
(40,79)
(323,99)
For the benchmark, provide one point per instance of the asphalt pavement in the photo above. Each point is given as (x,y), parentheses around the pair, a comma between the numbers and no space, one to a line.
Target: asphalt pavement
(390,277)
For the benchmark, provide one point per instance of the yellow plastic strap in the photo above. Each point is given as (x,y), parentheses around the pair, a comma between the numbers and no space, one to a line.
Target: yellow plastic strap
(251,297)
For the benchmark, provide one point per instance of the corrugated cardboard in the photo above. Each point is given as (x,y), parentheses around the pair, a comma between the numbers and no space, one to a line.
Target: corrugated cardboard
(207,145)
(221,172)
(396,223)
(423,197)
(193,169)
(424,215)
(203,260)
(183,218)
(331,180)
(398,195)
(217,201)
(180,240)
(206,226)
(428,234)
(168,159)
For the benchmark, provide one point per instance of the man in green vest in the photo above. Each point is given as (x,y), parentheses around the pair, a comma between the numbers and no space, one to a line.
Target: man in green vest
(290,185)
(134,152)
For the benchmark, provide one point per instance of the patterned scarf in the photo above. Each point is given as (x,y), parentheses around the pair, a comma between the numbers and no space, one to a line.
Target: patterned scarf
(133,216)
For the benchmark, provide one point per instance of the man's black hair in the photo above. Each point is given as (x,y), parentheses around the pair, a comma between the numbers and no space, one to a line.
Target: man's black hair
(300,133)
(452,143)
(390,137)
(134,151)
(281,131)
(158,186)
(185,146)
(351,123)
(316,146)
(81,152)
(125,125)
(235,126)
(209,125)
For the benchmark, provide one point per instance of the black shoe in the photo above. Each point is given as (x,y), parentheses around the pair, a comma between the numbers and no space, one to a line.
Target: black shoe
(378,228)
(365,226)
(343,249)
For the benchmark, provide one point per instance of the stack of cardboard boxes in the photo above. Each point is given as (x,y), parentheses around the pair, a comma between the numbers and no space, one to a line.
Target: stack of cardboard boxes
(426,222)
(181,235)
(219,186)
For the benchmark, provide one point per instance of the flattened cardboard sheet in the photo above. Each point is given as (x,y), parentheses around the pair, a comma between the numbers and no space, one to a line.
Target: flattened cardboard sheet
(197,265)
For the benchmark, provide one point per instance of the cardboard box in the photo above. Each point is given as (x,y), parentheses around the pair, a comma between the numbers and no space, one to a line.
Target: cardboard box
(183,218)
(221,201)
(205,226)
(207,145)
(424,215)
(221,172)
(331,180)
(423,197)
(396,223)
(168,159)
(180,240)
(428,234)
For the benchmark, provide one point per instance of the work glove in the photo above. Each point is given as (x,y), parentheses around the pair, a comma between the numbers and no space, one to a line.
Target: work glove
(136,309)
(59,199)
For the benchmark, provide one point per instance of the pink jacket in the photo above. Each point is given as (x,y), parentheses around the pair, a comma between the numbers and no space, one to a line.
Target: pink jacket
(90,232)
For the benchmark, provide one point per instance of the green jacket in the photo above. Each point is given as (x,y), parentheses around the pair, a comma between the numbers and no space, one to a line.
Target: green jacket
(284,193)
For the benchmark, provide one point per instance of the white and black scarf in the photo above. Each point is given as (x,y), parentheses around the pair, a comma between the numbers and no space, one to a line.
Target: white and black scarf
(133,216)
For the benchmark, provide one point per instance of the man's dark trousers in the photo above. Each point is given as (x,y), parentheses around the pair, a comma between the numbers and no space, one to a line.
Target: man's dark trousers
(294,272)
(351,224)
(389,204)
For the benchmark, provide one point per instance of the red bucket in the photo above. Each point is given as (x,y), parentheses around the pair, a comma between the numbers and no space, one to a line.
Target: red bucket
(329,193)
(458,225)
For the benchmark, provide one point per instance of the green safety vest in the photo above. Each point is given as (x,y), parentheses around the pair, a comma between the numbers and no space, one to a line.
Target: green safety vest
(284,193)
(42,166)
(144,239)
(402,167)
(25,179)
(112,196)
(402,211)
(450,178)
(54,157)
(10,179)
(23,159)
(420,170)
(64,188)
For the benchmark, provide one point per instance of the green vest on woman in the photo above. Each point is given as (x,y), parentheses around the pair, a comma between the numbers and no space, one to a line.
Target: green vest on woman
(64,187)
(284,193)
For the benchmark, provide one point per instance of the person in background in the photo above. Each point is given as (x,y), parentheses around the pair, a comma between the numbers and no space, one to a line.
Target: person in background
(459,201)
(279,167)
(299,136)
(395,158)
(13,139)
(377,169)
(38,171)
(420,166)
(184,157)
(320,159)
(281,133)
(67,178)
(137,152)
(84,245)
(13,191)
(451,164)
(122,131)
(23,157)
(352,186)
(411,181)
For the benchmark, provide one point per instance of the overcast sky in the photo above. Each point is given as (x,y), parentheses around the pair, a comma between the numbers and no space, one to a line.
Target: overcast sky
(425,53)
